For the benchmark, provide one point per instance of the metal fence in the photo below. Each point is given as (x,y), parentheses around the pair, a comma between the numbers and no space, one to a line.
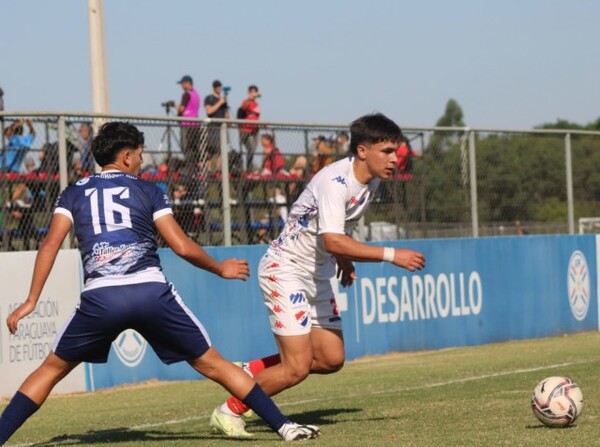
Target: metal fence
(459,182)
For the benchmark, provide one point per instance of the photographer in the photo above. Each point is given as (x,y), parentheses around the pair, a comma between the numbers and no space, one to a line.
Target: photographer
(216,106)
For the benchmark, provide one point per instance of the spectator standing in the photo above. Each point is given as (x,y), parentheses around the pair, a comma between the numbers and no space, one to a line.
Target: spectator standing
(342,145)
(190,130)
(249,110)
(83,161)
(216,106)
(17,146)
(273,161)
(322,156)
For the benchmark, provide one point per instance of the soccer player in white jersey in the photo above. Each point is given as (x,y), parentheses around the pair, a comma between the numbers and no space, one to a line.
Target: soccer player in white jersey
(295,272)
(116,218)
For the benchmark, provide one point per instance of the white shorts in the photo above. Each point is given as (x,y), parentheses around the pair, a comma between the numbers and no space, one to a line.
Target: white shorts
(296,300)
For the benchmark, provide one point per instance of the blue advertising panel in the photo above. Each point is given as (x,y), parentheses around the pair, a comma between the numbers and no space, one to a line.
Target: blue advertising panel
(473,291)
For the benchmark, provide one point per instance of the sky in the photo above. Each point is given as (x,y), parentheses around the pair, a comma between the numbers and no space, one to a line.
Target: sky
(508,63)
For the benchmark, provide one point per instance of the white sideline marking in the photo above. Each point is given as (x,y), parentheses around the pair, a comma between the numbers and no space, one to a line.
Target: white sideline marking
(374,393)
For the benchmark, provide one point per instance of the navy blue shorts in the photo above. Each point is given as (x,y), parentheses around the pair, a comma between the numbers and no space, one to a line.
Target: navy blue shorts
(153,309)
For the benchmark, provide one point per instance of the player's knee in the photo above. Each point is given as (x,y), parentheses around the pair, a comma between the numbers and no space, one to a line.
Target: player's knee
(332,364)
(297,374)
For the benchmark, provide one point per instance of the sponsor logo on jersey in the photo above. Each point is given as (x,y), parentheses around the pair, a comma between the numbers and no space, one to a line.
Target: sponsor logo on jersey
(130,347)
(274,265)
(279,325)
(272,278)
(297,298)
(578,285)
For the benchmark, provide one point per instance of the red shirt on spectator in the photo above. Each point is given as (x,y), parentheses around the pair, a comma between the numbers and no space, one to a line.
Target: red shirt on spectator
(403,167)
(273,161)
(252,110)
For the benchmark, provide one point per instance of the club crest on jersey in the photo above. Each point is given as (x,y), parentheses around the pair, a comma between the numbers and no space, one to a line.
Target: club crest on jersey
(341,180)
(130,347)
(302,318)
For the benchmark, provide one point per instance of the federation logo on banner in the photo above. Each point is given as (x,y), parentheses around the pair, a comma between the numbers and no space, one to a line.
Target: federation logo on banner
(130,347)
(578,285)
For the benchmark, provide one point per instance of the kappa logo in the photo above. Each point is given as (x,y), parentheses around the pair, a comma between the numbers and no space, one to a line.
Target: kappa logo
(578,285)
(275,294)
(297,298)
(341,180)
(83,181)
(130,347)
(277,309)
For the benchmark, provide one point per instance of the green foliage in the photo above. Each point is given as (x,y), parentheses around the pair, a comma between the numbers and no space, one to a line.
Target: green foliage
(566,124)
(519,177)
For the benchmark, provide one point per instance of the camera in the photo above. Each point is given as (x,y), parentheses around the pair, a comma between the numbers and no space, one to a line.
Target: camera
(226,90)
(168,104)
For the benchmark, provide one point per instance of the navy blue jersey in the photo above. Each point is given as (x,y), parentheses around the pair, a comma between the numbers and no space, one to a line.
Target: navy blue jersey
(113,216)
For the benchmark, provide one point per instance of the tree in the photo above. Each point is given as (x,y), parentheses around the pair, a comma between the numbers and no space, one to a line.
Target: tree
(453,115)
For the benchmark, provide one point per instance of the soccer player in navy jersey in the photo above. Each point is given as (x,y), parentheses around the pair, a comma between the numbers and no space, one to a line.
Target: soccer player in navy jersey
(116,217)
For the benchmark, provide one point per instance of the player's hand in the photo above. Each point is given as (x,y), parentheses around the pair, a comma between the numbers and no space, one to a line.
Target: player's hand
(235,269)
(345,272)
(22,311)
(409,259)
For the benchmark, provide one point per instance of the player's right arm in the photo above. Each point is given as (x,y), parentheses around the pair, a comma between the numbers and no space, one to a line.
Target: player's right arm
(59,229)
(187,249)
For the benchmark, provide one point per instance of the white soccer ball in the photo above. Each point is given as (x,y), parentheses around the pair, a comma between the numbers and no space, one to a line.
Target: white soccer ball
(557,401)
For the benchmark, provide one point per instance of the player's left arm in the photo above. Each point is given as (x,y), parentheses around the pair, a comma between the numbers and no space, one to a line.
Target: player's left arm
(59,229)
(187,249)
(343,245)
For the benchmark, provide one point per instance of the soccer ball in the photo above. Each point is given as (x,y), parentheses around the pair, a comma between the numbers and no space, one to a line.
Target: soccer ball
(557,401)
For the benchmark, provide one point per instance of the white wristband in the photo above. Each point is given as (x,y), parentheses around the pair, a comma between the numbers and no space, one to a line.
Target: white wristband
(388,254)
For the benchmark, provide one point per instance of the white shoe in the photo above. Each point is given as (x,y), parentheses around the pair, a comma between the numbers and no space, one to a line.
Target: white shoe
(296,432)
(230,425)
(246,368)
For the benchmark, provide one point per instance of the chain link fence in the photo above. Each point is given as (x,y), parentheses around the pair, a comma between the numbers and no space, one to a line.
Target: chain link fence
(233,182)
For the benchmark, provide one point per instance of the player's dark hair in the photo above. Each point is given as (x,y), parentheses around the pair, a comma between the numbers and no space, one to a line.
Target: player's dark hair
(114,137)
(372,129)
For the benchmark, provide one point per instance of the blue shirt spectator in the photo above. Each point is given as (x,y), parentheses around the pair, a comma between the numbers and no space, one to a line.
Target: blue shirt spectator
(17,145)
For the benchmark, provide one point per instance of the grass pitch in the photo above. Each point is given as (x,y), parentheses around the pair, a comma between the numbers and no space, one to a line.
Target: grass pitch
(476,396)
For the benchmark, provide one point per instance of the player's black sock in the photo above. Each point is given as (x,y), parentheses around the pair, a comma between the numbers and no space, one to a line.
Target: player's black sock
(16,412)
(265,408)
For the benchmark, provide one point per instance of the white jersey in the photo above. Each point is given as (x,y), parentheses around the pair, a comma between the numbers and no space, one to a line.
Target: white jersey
(332,202)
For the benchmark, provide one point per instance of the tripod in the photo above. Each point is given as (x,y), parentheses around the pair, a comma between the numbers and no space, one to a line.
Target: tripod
(168,134)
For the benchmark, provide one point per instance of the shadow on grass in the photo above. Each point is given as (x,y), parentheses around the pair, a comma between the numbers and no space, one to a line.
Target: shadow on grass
(315,417)
(537,426)
(122,434)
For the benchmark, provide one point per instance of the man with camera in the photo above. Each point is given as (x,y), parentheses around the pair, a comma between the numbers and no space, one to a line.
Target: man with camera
(190,130)
(216,106)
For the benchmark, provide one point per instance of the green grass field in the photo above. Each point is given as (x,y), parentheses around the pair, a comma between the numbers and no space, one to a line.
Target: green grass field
(477,396)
